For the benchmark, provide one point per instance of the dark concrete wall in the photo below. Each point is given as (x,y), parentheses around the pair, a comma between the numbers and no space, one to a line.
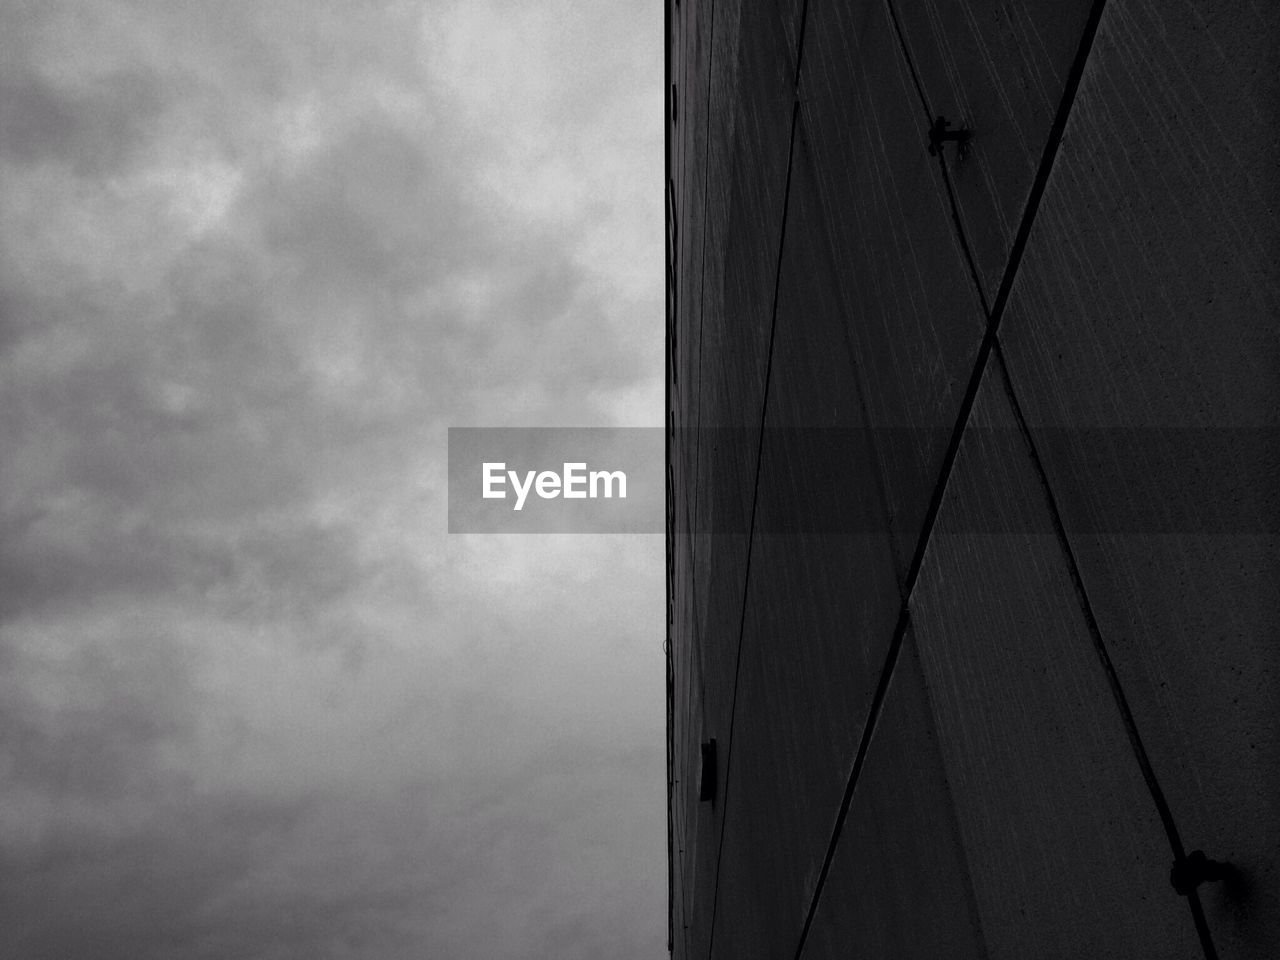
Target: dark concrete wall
(974,460)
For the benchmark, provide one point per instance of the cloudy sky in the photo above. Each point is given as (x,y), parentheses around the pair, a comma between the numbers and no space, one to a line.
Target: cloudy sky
(256,256)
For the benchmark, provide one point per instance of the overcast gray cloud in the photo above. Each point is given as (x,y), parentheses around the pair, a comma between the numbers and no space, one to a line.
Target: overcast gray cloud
(255,258)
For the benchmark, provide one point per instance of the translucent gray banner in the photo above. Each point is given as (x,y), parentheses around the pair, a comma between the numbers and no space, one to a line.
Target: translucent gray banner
(556,480)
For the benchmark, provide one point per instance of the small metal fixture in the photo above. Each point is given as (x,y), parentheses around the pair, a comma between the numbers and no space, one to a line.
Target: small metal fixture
(1194,869)
(940,134)
(707,783)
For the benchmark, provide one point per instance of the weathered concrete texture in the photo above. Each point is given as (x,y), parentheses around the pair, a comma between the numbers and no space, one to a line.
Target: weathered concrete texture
(1148,298)
(998,69)
(1065,851)
(812,646)
(899,885)
(915,320)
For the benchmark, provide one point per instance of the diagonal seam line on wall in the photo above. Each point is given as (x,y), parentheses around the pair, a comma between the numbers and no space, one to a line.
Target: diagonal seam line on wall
(764,409)
(960,236)
(1113,680)
(702,265)
(666,354)
(695,642)
(668,17)
(755,492)
(678,823)
(1027,221)
(845,312)
(1104,658)
(971,897)
(759,452)
(695,646)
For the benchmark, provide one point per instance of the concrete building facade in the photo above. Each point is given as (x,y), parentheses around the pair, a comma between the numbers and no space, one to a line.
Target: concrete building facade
(973,564)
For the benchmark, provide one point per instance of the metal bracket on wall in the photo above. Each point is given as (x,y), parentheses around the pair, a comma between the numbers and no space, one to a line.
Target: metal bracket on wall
(1194,869)
(707,782)
(940,134)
